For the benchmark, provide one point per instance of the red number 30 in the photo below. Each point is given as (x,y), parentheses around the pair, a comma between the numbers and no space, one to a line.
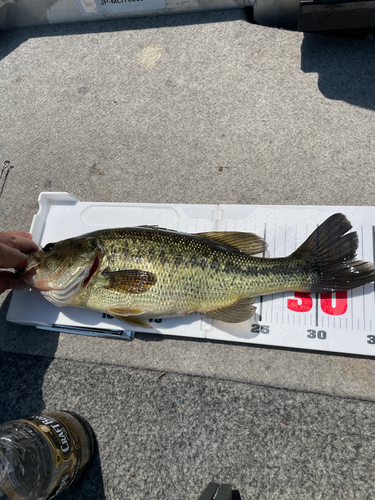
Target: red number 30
(303,302)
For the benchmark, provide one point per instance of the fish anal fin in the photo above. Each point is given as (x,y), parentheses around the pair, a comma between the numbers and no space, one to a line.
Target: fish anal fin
(129,280)
(248,243)
(237,312)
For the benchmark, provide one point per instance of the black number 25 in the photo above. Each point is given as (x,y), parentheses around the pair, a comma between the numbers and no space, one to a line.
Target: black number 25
(260,328)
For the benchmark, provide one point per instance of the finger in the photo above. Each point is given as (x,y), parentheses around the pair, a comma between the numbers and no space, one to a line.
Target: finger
(10,281)
(12,234)
(20,240)
(11,257)
(26,234)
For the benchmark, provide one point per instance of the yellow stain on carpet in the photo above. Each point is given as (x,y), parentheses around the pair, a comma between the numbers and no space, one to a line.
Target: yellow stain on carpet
(148,56)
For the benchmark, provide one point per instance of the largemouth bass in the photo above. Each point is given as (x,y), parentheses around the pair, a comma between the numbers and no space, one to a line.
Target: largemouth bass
(148,272)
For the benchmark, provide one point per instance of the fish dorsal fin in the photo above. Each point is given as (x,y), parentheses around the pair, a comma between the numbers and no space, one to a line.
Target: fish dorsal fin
(129,280)
(248,243)
(158,228)
(128,315)
(241,310)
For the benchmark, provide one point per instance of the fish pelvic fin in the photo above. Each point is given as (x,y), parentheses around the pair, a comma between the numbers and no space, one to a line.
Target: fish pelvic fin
(248,243)
(133,321)
(128,315)
(330,252)
(237,312)
(129,280)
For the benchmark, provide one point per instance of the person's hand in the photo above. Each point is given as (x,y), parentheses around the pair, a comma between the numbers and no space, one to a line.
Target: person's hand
(13,246)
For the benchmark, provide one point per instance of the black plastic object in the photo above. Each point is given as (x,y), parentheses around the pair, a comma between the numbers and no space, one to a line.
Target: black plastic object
(316,16)
(326,15)
(223,492)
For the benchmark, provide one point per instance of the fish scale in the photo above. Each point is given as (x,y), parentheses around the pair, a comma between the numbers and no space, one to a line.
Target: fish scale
(192,274)
(186,279)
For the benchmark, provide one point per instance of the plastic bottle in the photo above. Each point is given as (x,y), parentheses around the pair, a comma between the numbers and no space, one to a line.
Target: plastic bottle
(42,455)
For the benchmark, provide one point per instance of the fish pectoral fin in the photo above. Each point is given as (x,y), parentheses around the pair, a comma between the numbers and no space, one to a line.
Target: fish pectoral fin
(248,243)
(129,280)
(237,312)
(128,315)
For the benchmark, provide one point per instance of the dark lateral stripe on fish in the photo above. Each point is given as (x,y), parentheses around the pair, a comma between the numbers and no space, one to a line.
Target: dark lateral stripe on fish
(129,281)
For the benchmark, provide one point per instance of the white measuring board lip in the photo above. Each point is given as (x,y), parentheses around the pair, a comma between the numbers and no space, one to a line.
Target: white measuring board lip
(113,7)
(343,323)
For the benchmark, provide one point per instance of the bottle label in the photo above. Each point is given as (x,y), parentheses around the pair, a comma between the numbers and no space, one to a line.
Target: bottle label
(65,447)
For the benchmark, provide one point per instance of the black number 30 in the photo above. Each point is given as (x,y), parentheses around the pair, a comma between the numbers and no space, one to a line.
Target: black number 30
(320,334)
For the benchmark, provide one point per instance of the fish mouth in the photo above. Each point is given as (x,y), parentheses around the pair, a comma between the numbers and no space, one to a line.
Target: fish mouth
(64,296)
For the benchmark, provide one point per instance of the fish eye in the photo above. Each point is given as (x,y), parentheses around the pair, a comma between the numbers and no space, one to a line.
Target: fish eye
(48,247)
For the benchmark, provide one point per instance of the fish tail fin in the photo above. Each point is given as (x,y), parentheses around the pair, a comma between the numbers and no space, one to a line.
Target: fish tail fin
(330,252)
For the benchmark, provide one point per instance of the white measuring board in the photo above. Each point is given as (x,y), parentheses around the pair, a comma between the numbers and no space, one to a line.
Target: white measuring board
(342,322)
